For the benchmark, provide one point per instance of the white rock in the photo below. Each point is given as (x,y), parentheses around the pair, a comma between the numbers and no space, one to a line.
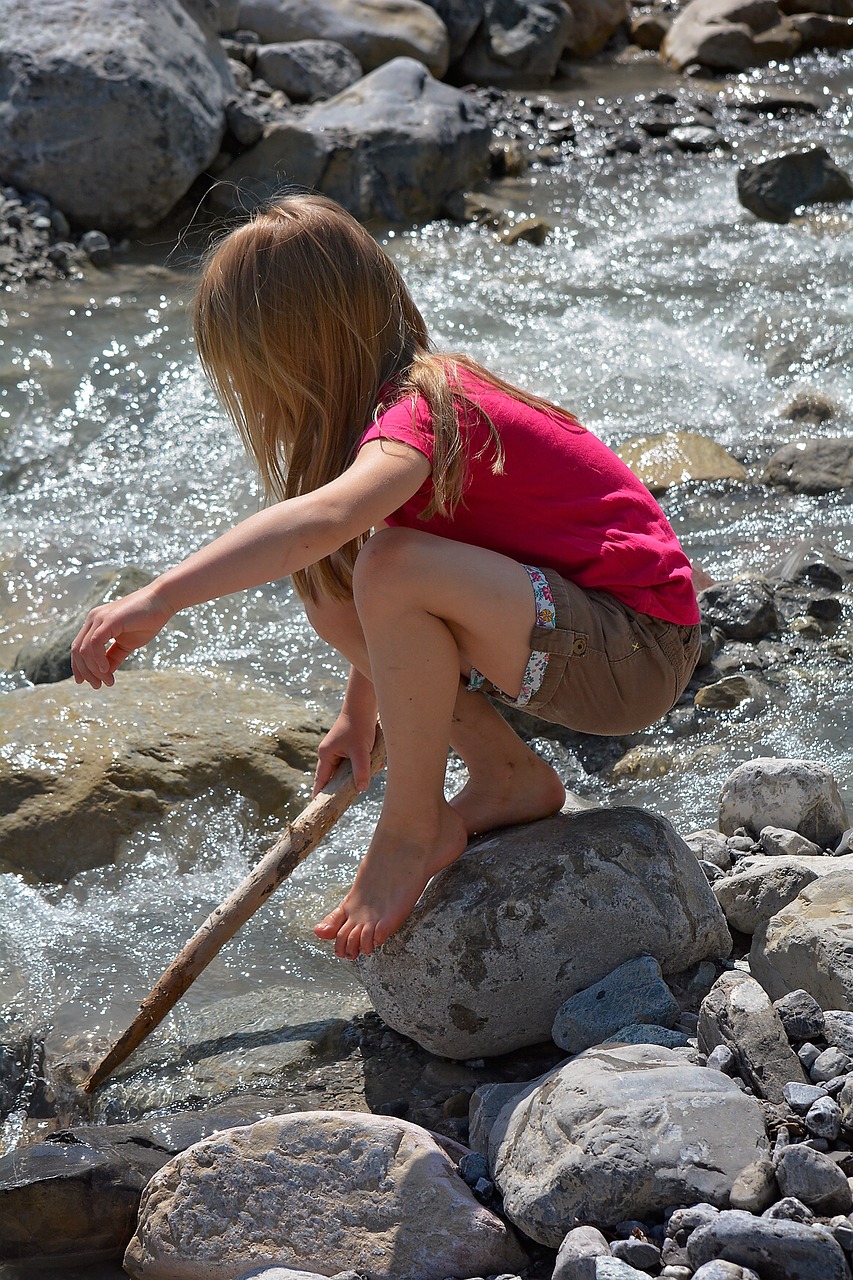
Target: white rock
(808,945)
(800,795)
(722,33)
(776,841)
(752,895)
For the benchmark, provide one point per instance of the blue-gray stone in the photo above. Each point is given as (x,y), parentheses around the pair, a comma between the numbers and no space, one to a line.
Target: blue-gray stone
(800,1097)
(633,993)
(776,1249)
(823,1119)
(648,1033)
(636,1252)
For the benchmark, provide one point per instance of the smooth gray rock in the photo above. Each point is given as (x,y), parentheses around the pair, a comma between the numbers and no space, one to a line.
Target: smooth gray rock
(149,84)
(638,1253)
(810,1176)
(809,944)
(800,1097)
(751,896)
(800,795)
(719,1270)
(811,466)
(591,890)
(516,38)
(722,1059)
(838,1029)
(802,1016)
(776,841)
(577,1254)
(777,1250)
(487,1102)
(635,992)
(774,189)
(378,1194)
(648,1129)
(308,70)
(616,1269)
(755,1188)
(710,846)
(832,1062)
(648,1033)
(737,1012)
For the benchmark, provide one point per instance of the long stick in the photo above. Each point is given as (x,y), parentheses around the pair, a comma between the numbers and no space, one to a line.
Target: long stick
(297,841)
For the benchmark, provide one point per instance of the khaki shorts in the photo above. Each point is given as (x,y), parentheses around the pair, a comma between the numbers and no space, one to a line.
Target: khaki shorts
(610,670)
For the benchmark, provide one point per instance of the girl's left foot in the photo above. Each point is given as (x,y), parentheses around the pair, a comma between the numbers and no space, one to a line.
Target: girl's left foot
(393,874)
(524,791)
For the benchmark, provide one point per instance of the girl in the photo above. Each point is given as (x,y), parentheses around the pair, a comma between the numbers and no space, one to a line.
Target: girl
(448,533)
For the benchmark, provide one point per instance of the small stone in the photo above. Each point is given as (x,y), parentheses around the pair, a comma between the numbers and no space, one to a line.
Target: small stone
(635,992)
(720,1270)
(823,1119)
(802,1016)
(810,1176)
(578,1252)
(808,1054)
(789,1209)
(776,841)
(755,1188)
(533,230)
(722,1059)
(641,1254)
(616,1269)
(832,1062)
(676,1273)
(473,1167)
(97,248)
(800,1097)
(843,1232)
(648,1033)
(682,1222)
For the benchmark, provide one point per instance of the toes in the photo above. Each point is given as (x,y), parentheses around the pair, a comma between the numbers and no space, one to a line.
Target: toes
(331,926)
(348,937)
(368,939)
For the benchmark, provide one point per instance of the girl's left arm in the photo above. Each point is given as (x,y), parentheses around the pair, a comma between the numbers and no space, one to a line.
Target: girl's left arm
(271,544)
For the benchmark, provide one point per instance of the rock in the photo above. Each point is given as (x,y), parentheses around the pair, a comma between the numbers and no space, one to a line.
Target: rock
(393,146)
(634,992)
(696,139)
(773,189)
(778,1250)
(822,31)
(801,1097)
(801,1015)
(648,1129)
(838,1029)
(47,660)
(648,1033)
(738,1013)
(719,1270)
(710,846)
(150,84)
(800,795)
(725,694)
(592,890)
(595,21)
(461,18)
(823,1119)
(533,230)
(616,1269)
(487,1102)
(776,841)
(829,1064)
(677,457)
(648,29)
(578,1252)
(308,70)
(755,1188)
(812,466)
(722,1059)
(808,944)
(742,609)
(244,121)
(517,39)
(638,1253)
(750,897)
(810,1176)
(380,1192)
(375,31)
(97,248)
(81,769)
(722,34)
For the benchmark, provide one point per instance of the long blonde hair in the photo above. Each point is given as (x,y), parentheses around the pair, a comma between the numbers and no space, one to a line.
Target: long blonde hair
(300,321)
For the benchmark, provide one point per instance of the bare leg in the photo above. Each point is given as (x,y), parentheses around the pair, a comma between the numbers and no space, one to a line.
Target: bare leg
(428,608)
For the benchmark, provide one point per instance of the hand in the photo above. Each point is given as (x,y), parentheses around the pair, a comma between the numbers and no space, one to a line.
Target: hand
(112,631)
(347,739)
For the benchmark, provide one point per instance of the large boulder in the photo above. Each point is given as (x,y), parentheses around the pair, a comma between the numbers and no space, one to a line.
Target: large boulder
(809,944)
(800,795)
(517,40)
(308,70)
(527,917)
(676,457)
(374,30)
(774,189)
(731,35)
(81,769)
(112,111)
(812,466)
(619,1134)
(393,146)
(462,18)
(330,1189)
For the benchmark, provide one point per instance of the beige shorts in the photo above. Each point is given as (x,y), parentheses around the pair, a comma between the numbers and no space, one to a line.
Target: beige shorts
(610,670)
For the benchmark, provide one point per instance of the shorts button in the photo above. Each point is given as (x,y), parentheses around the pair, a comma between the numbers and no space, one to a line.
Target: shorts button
(579,647)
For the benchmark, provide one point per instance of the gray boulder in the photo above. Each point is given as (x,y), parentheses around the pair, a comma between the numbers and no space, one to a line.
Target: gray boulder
(813,1179)
(800,795)
(462,18)
(81,769)
(619,1134)
(809,944)
(738,1013)
(474,972)
(375,1194)
(393,146)
(812,466)
(750,897)
(634,992)
(731,35)
(774,189)
(775,1248)
(517,39)
(376,31)
(743,610)
(136,103)
(308,70)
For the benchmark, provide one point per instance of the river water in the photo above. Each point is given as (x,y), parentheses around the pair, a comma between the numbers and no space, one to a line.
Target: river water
(658,303)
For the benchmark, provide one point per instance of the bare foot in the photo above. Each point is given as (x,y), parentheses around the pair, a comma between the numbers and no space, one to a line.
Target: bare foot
(510,795)
(393,874)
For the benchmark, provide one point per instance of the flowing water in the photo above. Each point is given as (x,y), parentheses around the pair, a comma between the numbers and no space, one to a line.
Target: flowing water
(657,304)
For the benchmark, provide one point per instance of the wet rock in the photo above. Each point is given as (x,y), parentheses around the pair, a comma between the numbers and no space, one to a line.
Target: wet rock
(382,1194)
(308,70)
(822,31)
(800,795)
(774,189)
(676,457)
(578,1252)
(750,897)
(738,1013)
(808,944)
(375,31)
(810,407)
(648,29)
(81,769)
(777,1250)
(533,230)
(731,35)
(743,609)
(516,41)
(811,1177)
(725,694)
(634,992)
(150,85)
(801,1015)
(97,248)
(812,466)
(394,146)
(648,1129)
(696,139)
(755,1188)
(592,890)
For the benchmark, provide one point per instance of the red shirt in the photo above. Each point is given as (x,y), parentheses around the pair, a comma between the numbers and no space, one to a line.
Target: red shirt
(564,501)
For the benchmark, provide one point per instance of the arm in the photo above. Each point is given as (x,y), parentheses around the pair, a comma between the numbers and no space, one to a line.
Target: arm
(352,735)
(272,544)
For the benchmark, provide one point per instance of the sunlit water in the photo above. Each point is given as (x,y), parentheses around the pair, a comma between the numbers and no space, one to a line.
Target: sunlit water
(658,303)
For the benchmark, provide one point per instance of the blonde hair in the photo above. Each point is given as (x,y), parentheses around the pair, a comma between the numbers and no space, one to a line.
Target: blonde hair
(300,321)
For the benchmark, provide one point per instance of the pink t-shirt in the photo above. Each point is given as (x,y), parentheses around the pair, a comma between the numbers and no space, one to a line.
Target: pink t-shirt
(564,501)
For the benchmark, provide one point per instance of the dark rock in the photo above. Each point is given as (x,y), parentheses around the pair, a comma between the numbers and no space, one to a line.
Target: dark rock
(244,121)
(802,1016)
(516,40)
(774,189)
(742,609)
(812,466)
(462,18)
(308,70)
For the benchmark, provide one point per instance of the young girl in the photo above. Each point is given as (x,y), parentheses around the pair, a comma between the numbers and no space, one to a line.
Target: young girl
(448,533)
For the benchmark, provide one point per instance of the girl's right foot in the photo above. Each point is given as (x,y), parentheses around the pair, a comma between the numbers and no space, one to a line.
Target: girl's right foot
(510,795)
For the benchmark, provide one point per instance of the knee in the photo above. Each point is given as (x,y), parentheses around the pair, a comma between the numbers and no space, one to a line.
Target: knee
(385,563)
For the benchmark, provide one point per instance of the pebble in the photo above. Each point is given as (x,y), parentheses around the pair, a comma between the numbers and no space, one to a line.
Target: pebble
(823,1119)
(808,1054)
(722,1059)
(832,1062)
(801,1015)
(800,1097)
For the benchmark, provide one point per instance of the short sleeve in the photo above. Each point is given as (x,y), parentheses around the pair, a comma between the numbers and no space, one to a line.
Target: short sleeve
(409,421)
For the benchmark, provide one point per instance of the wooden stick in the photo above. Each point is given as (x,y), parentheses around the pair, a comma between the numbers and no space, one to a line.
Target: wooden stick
(296,842)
